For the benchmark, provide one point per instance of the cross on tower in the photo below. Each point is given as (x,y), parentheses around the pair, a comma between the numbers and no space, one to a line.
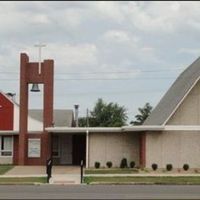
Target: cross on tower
(40,45)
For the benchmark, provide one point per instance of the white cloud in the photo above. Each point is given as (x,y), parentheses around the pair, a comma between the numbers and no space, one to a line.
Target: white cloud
(73,55)
(190,51)
(120,71)
(118,36)
(40,18)
(108,9)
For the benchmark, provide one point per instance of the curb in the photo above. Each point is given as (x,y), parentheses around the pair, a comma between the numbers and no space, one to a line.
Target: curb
(141,183)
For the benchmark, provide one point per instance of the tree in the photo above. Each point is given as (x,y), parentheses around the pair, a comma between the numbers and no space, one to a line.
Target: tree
(143,114)
(82,121)
(106,115)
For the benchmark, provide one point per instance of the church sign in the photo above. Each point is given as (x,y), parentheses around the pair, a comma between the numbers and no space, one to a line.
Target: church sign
(34,148)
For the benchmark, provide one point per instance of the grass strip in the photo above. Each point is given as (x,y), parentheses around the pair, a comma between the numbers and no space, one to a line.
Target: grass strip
(22,180)
(144,180)
(5,168)
(111,171)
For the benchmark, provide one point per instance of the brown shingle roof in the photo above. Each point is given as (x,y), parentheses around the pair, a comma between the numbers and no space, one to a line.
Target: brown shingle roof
(61,117)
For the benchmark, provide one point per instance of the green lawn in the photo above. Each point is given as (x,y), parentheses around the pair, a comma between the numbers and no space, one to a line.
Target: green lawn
(22,180)
(111,171)
(5,168)
(143,180)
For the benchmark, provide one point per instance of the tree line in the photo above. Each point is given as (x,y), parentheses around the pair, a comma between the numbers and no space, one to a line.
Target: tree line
(113,115)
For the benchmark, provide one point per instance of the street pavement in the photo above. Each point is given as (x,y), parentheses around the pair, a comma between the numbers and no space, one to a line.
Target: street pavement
(100,192)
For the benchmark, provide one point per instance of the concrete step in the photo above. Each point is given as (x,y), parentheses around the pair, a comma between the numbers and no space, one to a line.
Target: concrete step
(65,179)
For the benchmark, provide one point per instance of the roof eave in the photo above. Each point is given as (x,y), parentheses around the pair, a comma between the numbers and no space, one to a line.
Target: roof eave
(142,128)
(9,132)
(103,129)
(82,129)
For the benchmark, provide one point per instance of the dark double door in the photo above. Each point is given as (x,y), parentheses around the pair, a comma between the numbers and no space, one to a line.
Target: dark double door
(78,149)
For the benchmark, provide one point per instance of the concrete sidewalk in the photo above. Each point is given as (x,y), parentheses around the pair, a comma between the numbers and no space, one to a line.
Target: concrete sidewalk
(27,171)
(63,175)
(65,179)
(41,170)
(60,174)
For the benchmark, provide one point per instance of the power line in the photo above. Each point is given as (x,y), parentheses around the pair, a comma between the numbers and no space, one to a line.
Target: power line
(99,79)
(106,92)
(122,72)
(109,72)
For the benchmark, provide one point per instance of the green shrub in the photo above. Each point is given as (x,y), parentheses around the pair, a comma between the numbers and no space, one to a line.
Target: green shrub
(185,167)
(97,165)
(109,164)
(154,166)
(169,167)
(132,164)
(123,163)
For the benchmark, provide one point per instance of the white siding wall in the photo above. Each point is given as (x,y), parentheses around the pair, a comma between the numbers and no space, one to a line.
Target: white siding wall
(6,159)
(33,125)
(173,147)
(188,112)
(178,147)
(113,147)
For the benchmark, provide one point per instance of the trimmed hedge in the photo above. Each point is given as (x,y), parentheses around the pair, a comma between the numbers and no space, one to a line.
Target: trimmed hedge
(185,167)
(123,163)
(169,167)
(132,164)
(109,164)
(154,166)
(97,165)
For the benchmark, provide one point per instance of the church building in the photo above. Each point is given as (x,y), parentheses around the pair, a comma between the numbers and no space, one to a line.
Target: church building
(170,135)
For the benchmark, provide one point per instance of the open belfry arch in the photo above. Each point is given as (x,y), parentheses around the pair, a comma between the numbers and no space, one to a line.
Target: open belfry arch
(31,74)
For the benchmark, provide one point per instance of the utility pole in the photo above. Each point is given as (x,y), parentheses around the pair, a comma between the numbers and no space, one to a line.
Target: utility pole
(87,118)
(40,45)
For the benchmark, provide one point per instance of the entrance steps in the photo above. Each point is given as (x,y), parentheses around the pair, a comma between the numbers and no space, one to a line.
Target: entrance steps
(65,179)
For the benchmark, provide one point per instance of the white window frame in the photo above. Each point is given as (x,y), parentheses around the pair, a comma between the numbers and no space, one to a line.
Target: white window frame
(6,150)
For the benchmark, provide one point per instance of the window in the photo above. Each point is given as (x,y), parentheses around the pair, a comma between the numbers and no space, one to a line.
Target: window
(6,145)
(55,149)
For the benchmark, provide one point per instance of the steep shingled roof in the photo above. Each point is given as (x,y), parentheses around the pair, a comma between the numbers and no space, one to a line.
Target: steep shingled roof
(179,89)
(61,117)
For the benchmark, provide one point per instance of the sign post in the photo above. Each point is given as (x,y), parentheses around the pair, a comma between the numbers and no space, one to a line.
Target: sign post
(81,171)
(49,169)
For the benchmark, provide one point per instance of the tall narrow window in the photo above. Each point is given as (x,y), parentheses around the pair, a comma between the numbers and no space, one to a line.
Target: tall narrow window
(6,144)
(55,149)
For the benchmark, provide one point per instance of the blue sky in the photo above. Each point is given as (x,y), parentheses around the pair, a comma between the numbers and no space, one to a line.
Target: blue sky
(124,52)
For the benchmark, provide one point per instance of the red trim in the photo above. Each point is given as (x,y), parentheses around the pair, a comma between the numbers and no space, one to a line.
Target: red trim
(6,113)
(15,149)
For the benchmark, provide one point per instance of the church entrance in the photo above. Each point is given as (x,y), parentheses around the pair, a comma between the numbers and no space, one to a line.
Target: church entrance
(79,149)
(68,149)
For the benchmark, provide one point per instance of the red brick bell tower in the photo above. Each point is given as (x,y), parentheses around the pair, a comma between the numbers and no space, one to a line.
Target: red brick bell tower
(29,73)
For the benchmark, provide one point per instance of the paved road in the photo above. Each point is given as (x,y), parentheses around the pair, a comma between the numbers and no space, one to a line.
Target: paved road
(99,192)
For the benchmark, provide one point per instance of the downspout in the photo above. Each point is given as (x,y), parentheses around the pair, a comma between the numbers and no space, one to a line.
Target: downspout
(87,149)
